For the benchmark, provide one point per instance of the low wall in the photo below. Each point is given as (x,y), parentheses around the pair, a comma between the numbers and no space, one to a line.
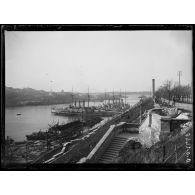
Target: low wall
(184,106)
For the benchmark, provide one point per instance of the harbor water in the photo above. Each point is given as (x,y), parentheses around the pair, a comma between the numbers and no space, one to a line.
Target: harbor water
(35,118)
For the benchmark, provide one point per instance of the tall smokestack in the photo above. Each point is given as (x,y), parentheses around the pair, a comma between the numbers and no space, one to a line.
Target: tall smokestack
(153,88)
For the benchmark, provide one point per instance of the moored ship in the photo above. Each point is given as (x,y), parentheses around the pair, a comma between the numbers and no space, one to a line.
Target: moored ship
(107,109)
(92,111)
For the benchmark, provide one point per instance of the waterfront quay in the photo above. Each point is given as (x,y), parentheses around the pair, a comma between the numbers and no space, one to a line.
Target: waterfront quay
(81,148)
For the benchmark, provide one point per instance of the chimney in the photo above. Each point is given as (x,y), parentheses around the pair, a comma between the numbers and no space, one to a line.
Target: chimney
(153,88)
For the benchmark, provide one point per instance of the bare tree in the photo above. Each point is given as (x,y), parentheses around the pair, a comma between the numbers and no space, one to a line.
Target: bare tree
(170,90)
(168,86)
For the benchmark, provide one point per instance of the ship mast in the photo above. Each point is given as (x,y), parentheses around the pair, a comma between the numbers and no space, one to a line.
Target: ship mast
(113,96)
(105,96)
(72,97)
(125,96)
(88,97)
(120,97)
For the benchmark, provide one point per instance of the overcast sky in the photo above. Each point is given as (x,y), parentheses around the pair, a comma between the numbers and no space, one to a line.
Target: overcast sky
(98,60)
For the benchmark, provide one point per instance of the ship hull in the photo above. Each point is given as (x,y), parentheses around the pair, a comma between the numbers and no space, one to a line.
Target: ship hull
(85,113)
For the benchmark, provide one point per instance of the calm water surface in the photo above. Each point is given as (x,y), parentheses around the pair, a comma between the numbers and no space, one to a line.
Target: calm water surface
(34,118)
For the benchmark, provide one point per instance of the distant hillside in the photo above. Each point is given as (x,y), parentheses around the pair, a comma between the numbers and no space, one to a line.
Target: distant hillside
(29,96)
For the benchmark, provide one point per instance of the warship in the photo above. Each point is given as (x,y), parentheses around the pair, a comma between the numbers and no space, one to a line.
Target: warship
(77,108)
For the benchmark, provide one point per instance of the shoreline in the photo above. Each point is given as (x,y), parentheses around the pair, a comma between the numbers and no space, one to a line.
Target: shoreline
(19,105)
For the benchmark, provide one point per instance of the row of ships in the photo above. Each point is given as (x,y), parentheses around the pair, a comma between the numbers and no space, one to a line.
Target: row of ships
(110,107)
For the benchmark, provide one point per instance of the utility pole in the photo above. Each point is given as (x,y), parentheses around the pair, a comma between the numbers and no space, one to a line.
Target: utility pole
(51,86)
(179,74)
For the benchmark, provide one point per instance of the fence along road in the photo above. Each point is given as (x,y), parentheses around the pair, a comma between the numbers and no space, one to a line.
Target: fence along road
(185,106)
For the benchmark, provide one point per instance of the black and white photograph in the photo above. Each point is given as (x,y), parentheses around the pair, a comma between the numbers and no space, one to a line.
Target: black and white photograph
(113,97)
